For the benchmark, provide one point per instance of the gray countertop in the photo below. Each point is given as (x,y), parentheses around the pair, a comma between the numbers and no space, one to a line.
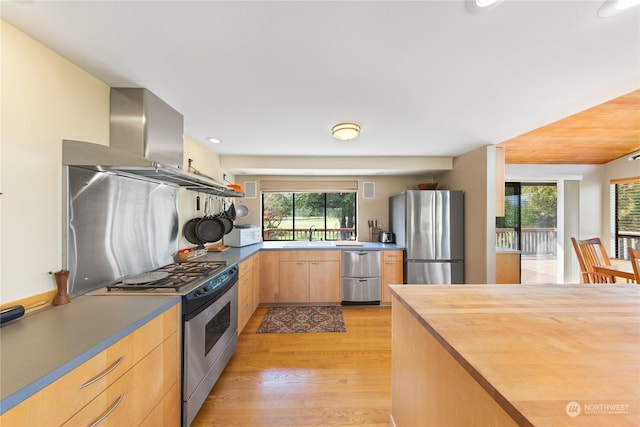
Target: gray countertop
(341,246)
(234,255)
(39,348)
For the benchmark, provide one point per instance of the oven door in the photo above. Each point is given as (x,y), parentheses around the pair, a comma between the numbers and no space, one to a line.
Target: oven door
(210,338)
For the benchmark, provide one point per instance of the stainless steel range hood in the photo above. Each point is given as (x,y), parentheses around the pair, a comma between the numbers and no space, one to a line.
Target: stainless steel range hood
(146,142)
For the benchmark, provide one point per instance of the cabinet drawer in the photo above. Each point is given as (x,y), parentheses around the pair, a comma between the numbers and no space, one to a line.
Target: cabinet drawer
(245,265)
(361,264)
(392,256)
(245,285)
(167,412)
(310,255)
(133,396)
(57,402)
(245,310)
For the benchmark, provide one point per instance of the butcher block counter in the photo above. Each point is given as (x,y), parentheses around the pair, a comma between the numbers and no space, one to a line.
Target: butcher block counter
(543,355)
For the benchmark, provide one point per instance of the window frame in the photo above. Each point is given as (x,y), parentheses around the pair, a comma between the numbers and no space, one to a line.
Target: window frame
(620,251)
(354,232)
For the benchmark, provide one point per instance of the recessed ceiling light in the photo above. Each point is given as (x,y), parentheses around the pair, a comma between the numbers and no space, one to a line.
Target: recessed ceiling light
(345,131)
(214,140)
(613,7)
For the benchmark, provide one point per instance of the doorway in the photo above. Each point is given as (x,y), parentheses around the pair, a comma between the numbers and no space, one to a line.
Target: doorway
(530,225)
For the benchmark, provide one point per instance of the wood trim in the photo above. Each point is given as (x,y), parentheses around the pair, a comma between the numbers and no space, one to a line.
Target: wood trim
(625,180)
(33,302)
(306,186)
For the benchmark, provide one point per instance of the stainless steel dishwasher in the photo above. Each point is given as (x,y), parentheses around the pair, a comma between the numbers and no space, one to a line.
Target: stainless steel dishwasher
(361,281)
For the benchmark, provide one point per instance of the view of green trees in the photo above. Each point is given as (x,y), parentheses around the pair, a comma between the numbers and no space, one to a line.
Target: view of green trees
(536,204)
(628,208)
(289,211)
(539,206)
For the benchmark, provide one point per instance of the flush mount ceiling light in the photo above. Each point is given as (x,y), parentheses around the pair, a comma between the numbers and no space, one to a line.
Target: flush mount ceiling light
(476,7)
(613,7)
(345,131)
(214,140)
(488,3)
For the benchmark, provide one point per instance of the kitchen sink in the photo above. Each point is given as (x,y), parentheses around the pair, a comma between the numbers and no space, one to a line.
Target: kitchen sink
(308,244)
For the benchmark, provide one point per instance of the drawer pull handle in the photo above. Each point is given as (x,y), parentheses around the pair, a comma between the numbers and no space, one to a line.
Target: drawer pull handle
(109,411)
(104,374)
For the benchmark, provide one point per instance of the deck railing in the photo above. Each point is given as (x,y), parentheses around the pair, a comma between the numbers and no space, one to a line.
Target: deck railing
(625,240)
(303,234)
(534,240)
(544,241)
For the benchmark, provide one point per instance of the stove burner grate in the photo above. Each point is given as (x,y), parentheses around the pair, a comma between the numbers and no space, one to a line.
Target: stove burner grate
(172,276)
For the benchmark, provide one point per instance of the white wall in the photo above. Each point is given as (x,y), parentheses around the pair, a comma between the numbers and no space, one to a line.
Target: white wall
(44,99)
(206,162)
(590,177)
(475,173)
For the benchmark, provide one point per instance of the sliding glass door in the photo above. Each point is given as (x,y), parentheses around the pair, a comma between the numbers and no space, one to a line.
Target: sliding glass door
(530,225)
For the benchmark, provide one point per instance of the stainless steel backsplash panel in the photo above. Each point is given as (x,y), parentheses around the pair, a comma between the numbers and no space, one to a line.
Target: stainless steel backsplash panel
(116,227)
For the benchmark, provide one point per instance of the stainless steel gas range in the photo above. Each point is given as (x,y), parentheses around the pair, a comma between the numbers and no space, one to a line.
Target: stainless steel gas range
(210,320)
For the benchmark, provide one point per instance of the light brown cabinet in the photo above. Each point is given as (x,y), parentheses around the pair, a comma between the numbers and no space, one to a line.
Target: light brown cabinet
(309,276)
(324,283)
(269,267)
(507,267)
(300,276)
(248,289)
(133,380)
(392,272)
(294,281)
(256,280)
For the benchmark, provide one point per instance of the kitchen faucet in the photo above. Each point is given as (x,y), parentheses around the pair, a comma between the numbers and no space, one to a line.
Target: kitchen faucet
(311,230)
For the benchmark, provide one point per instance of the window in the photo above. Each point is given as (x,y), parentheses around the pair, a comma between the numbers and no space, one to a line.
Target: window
(625,212)
(296,215)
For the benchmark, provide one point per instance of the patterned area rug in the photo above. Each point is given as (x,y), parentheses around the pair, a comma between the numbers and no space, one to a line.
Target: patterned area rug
(282,320)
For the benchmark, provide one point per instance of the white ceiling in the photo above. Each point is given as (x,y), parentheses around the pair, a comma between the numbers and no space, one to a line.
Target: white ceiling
(423,78)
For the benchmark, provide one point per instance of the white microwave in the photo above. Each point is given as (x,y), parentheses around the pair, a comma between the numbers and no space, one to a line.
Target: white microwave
(242,236)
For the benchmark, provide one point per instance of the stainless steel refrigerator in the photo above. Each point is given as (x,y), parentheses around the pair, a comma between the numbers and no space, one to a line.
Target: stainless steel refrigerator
(430,225)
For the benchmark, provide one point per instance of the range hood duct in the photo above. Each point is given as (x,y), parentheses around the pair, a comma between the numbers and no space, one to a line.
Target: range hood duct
(146,142)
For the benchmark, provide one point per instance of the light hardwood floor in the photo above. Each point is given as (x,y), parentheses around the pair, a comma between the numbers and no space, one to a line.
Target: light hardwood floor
(315,379)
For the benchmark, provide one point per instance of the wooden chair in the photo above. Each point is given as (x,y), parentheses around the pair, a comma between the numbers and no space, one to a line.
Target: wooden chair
(584,276)
(634,256)
(591,252)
